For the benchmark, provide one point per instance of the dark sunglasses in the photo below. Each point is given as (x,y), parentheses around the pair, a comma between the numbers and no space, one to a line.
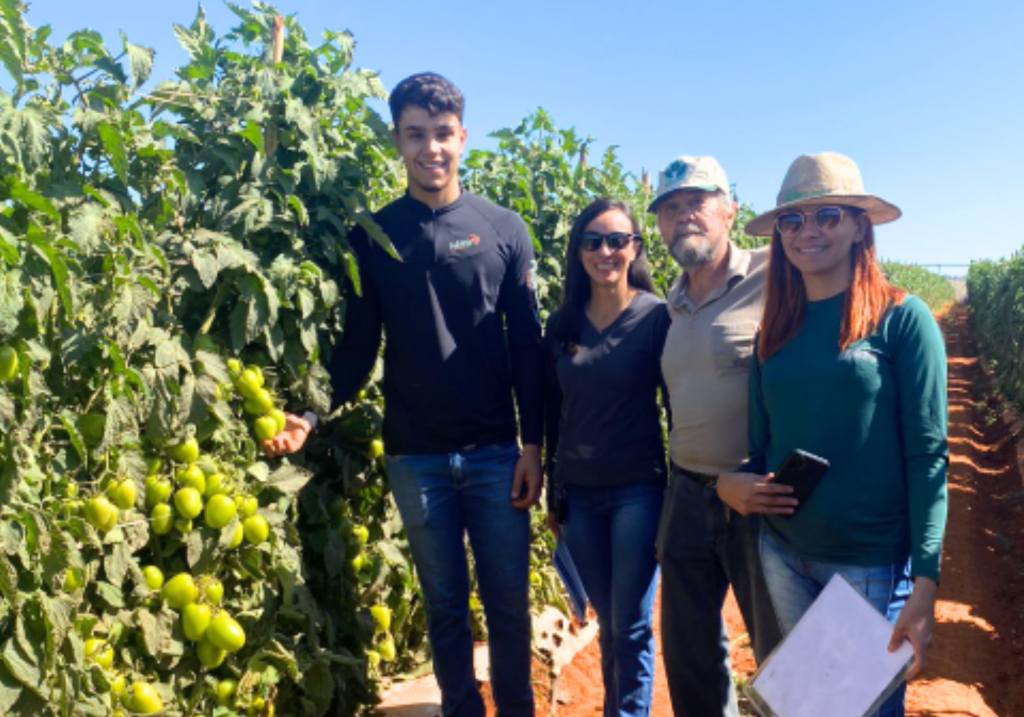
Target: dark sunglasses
(592,241)
(826,219)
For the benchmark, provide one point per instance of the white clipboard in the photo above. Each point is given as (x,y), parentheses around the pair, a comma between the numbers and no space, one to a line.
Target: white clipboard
(835,661)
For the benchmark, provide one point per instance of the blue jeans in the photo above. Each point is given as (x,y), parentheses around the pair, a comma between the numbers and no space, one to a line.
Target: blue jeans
(704,547)
(610,532)
(794,583)
(442,498)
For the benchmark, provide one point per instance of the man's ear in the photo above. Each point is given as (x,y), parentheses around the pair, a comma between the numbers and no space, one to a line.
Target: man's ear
(731,216)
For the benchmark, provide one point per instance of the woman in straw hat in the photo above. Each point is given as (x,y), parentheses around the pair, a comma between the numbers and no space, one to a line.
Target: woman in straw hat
(853,370)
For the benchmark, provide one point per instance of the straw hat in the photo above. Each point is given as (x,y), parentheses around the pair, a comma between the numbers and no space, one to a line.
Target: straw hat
(827,178)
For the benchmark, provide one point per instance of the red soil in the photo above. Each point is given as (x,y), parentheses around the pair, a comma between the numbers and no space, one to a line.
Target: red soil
(976,666)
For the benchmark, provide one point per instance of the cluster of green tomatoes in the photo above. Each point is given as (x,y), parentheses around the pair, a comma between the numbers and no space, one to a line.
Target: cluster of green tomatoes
(259,402)
(198,488)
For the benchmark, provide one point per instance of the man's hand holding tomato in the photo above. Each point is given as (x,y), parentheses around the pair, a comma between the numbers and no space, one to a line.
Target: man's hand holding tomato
(291,439)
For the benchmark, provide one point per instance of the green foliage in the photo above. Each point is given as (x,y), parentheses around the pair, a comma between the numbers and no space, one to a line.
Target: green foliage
(933,289)
(995,292)
(144,241)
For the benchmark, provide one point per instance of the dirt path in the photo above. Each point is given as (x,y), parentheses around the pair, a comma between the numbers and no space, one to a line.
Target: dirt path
(977,663)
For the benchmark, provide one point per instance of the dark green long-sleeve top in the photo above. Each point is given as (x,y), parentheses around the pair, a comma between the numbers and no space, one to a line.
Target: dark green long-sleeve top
(877,412)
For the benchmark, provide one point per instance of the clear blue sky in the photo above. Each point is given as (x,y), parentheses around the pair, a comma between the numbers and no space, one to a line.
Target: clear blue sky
(927,96)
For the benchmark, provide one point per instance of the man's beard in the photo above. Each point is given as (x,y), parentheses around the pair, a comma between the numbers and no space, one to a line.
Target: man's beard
(691,255)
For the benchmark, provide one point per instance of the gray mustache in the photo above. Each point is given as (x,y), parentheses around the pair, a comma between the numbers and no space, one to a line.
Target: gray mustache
(689,229)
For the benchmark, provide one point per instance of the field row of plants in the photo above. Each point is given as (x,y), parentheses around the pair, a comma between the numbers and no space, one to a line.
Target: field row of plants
(995,292)
(934,289)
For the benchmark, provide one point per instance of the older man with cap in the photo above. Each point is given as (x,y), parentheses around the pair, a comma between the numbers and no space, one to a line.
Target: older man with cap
(703,546)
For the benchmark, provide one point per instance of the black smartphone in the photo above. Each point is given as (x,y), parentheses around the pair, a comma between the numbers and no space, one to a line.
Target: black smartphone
(803,471)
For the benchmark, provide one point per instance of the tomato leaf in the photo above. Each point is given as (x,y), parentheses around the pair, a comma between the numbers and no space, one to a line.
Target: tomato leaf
(289,479)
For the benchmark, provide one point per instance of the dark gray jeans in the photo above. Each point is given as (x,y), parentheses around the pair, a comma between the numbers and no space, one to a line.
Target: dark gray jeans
(703,547)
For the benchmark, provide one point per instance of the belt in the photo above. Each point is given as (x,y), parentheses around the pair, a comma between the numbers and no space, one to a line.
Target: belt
(705,479)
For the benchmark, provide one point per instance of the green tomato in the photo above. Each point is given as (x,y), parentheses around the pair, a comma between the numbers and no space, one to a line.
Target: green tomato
(373,657)
(186,452)
(144,699)
(247,505)
(161,519)
(265,428)
(158,490)
(357,563)
(183,526)
(279,418)
(234,366)
(381,615)
(118,685)
(256,529)
(259,403)
(249,383)
(180,591)
(226,690)
(92,426)
(123,494)
(386,647)
(191,477)
(154,464)
(153,576)
(214,591)
(237,538)
(73,580)
(220,510)
(72,489)
(210,656)
(99,652)
(188,502)
(8,364)
(195,618)
(100,513)
(226,633)
(375,450)
(216,484)
(360,534)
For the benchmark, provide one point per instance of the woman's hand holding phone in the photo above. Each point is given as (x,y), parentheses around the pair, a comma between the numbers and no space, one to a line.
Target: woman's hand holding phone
(750,493)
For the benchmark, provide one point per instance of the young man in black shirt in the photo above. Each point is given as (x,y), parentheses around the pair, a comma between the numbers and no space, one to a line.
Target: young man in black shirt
(463,334)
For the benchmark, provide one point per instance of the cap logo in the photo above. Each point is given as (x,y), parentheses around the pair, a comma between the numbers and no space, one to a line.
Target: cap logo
(676,172)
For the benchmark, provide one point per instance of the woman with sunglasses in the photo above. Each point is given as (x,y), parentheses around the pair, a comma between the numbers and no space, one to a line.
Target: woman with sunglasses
(853,370)
(605,449)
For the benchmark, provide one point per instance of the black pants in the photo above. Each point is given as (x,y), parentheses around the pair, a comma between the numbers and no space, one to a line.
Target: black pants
(703,547)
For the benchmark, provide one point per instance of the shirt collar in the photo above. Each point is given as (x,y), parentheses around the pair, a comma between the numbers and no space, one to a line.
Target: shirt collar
(426,209)
(738,267)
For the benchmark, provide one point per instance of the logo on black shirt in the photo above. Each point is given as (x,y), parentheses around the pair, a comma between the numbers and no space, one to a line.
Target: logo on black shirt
(463,244)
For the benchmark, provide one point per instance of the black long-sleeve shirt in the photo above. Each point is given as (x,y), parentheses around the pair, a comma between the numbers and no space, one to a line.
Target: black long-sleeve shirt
(603,422)
(449,370)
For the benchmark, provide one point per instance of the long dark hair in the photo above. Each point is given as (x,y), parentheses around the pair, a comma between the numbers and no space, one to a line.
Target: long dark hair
(568,320)
(785,297)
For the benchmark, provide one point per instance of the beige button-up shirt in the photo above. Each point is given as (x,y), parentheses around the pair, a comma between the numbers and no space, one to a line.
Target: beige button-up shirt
(706,362)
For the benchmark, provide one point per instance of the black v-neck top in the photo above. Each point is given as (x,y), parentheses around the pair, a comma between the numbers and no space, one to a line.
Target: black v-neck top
(603,422)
